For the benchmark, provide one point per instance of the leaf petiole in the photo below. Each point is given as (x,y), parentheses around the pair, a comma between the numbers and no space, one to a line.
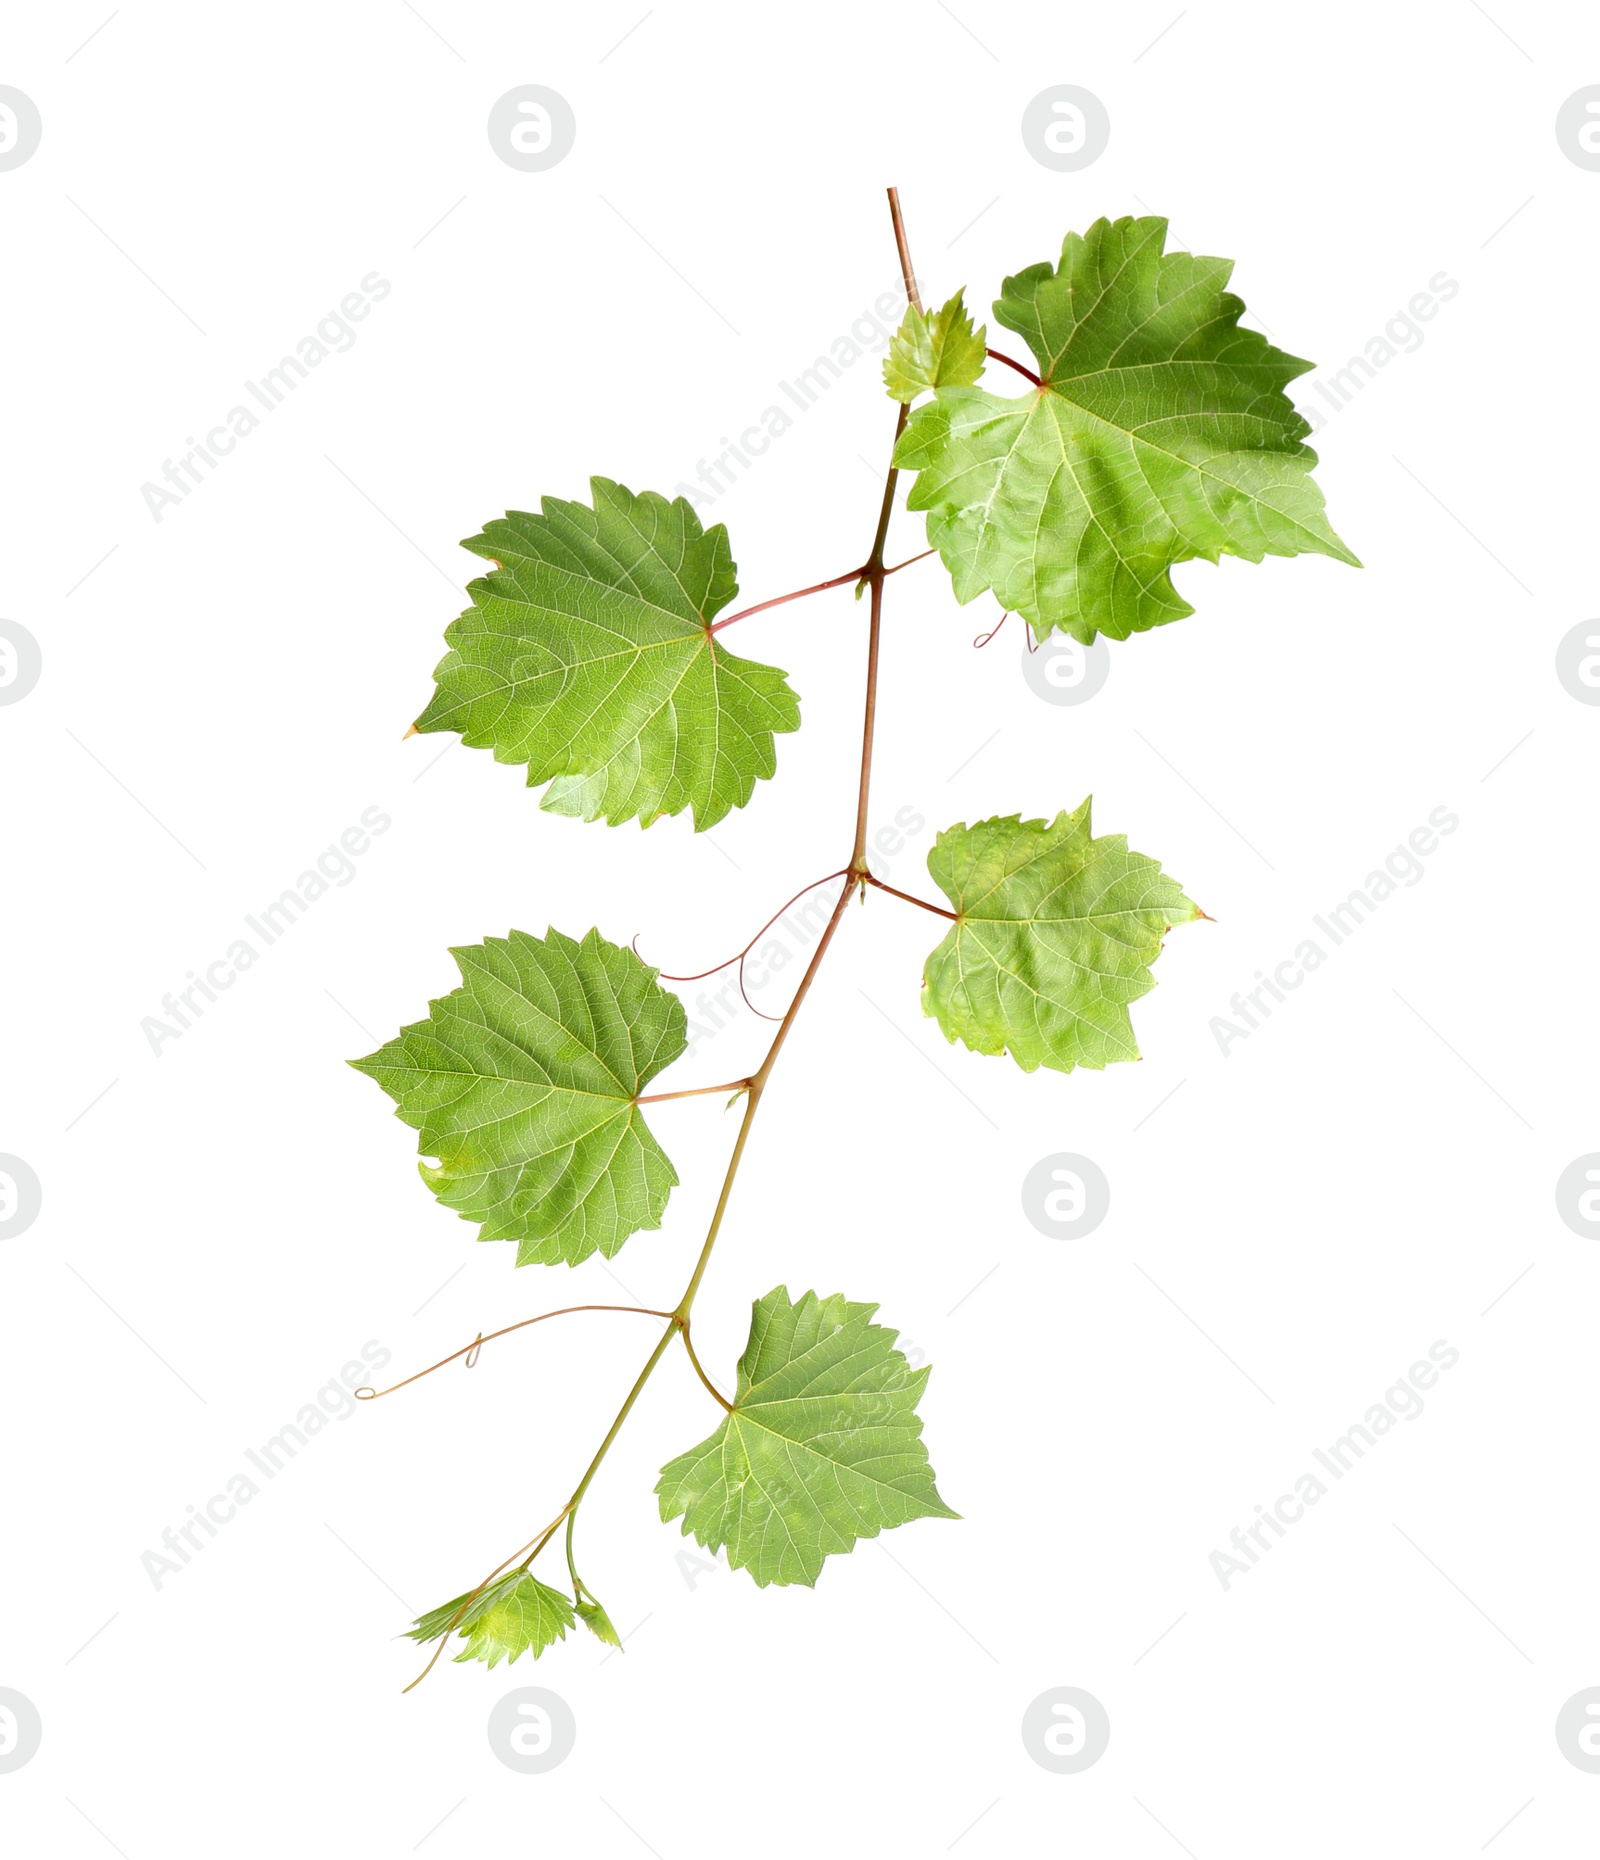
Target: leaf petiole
(921,903)
(695,1091)
(994,355)
(711,1387)
(817,587)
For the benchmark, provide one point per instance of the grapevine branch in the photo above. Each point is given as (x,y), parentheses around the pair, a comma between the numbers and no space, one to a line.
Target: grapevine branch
(779,1514)
(873,573)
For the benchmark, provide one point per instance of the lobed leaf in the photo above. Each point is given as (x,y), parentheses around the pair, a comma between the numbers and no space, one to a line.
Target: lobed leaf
(516,1615)
(1055,934)
(822,1448)
(1161,434)
(521,1082)
(933,349)
(588,654)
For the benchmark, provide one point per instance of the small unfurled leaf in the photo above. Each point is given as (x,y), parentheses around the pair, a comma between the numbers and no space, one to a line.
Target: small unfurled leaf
(516,1615)
(1055,934)
(598,1622)
(588,654)
(1161,434)
(933,349)
(521,1082)
(823,1446)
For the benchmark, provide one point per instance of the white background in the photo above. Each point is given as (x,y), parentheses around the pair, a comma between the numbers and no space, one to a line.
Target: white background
(1293,1226)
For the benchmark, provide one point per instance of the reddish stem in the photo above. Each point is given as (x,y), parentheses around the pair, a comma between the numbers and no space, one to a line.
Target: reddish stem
(739,955)
(799,594)
(994,355)
(907,274)
(838,581)
(937,909)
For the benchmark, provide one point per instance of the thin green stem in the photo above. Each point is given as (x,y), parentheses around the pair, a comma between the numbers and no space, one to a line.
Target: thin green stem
(616,1426)
(695,1091)
(752,1103)
(711,1387)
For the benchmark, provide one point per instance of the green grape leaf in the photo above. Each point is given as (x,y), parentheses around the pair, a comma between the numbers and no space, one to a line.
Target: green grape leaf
(823,1445)
(1054,937)
(598,1622)
(588,654)
(522,1081)
(1161,434)
(516,1615)
(933,349)
(438,1621)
